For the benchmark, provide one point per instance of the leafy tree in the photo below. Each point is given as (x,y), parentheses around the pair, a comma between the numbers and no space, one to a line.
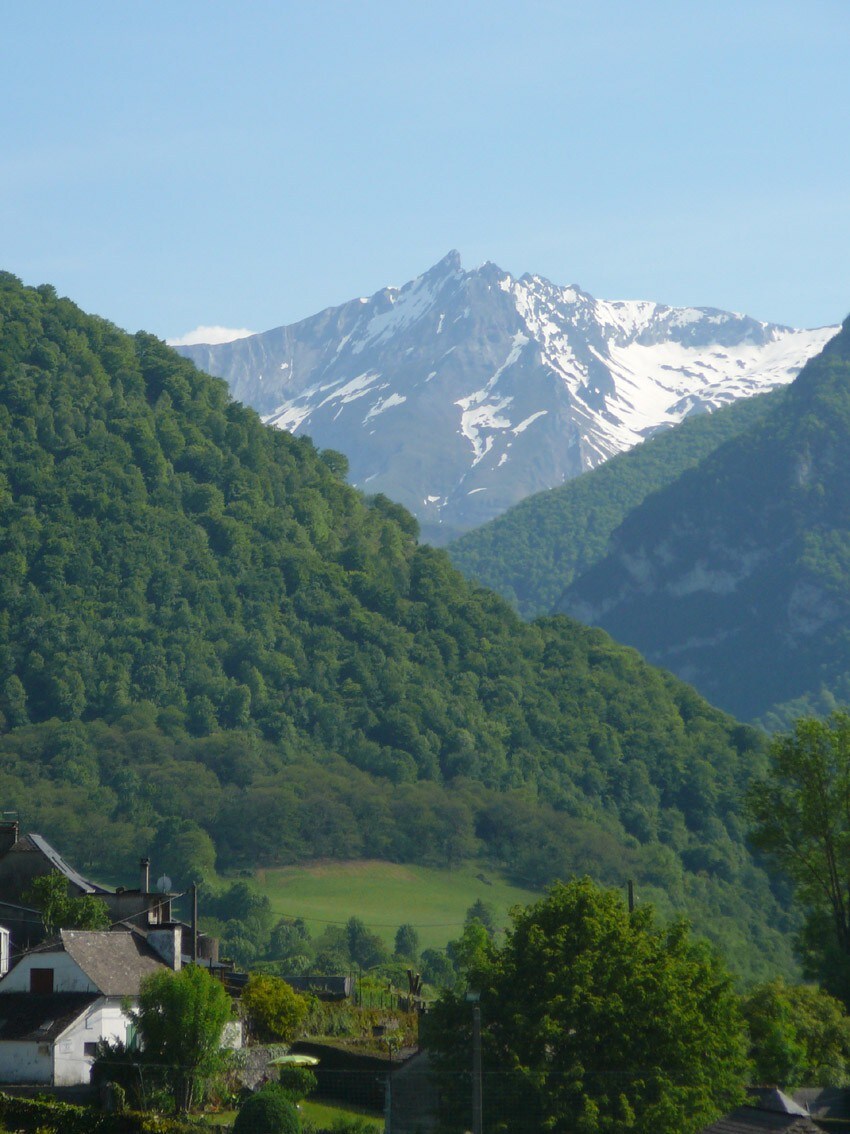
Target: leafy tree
(594,1020)
(243,919)
(180,1020)
(290,937)
(275,1011)
(483,912)
(406,943)
(801,818)
(437,968)
(470,951)
(799,1035)
(49,894)
(187,850)
(364,947)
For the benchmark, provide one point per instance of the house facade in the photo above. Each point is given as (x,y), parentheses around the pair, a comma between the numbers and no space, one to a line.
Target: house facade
(53,1040)
(61,999)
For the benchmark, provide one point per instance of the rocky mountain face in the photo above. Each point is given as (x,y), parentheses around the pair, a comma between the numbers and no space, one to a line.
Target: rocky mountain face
(463,392)
(532,553)
(737,576)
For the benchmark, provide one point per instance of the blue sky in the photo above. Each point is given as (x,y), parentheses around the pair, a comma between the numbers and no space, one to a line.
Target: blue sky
(174,164)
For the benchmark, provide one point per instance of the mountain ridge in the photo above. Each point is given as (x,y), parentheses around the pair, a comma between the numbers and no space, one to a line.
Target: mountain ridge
(535,550)
(463,392)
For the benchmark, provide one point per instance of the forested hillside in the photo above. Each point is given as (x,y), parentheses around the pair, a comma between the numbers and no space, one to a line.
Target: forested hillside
(211,645)
(737,575)
(532,553)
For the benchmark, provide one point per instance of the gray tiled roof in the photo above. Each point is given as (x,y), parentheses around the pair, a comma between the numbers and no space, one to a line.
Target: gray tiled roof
(114,961)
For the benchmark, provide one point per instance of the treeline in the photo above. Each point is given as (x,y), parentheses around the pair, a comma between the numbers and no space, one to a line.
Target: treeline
(210,644)
(532,553)
(204,806)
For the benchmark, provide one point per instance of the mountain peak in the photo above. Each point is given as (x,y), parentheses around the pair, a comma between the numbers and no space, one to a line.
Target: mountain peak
(450,263)
(460,393)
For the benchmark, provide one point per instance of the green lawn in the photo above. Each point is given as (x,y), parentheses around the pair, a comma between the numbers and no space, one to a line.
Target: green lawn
(323,1114)
(385,895)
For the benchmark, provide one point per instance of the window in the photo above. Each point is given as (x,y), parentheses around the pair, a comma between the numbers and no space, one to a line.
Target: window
(90,1050)
(41,980)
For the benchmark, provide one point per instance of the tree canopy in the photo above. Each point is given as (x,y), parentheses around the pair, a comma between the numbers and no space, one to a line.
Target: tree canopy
(180,1019)
(274,1010)
(801,818)
(799,1036)
(595,1020)
(59,910)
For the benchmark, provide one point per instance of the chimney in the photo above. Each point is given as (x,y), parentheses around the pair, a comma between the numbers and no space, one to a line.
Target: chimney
(9,833)
(168,943)
(145,881)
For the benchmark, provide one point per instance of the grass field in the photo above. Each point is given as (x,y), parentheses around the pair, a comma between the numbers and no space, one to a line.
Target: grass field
(324,1114)
(321,1115)
(386,895)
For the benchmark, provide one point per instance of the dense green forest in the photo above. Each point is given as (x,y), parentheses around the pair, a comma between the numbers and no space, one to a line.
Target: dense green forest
(211,646)
(532,553)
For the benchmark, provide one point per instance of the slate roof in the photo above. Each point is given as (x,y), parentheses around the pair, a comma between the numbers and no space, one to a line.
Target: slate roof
(58,863)
(825,1102)
(40,1019)
(751,1119)
(114,961)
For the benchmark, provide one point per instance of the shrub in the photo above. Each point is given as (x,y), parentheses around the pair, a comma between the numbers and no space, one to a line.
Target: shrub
(267,1112)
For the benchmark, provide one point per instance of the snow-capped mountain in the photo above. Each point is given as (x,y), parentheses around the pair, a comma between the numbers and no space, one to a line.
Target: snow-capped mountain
(464,391)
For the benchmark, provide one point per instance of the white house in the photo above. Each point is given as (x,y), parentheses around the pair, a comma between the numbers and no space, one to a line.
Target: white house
(64,996)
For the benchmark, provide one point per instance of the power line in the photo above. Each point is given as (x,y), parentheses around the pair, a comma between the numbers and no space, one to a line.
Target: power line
(377,924)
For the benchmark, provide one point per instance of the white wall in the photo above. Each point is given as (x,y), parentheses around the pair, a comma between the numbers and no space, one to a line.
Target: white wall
(232,1036)
(67,974)
(25,1062)
(102,1020)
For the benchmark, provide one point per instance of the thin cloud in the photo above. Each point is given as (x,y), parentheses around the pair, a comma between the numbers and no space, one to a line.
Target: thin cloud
(211,335)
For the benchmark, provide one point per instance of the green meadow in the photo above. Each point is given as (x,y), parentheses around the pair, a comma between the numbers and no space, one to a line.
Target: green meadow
(386,895)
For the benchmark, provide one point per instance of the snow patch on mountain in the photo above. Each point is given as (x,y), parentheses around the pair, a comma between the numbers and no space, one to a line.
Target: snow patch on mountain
(429,388)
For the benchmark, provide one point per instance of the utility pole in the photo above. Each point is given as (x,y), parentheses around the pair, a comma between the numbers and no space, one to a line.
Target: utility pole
(194,922)
(477,1120)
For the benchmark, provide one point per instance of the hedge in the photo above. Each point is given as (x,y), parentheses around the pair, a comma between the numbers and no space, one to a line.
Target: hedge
(48,1115)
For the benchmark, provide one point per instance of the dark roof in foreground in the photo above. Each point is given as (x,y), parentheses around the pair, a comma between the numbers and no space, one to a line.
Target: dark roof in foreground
(40,1019)
(748,1119)
(769,1109)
